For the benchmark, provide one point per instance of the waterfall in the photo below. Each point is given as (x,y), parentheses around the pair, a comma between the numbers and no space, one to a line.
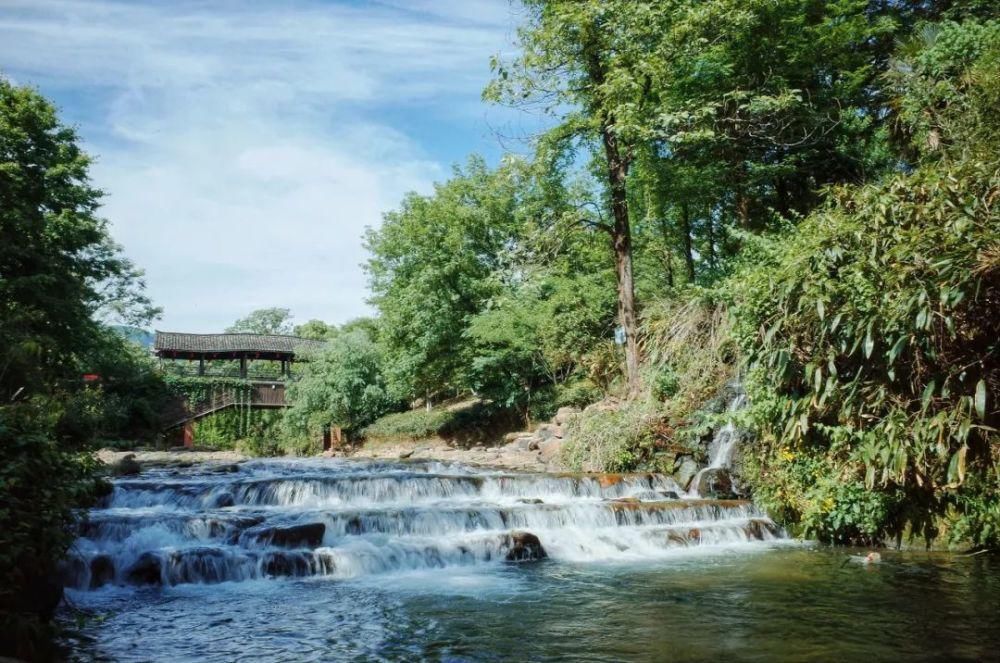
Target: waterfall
(720,450)
(348,518)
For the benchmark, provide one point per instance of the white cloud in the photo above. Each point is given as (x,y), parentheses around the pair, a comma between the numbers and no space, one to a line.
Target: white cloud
(240,143)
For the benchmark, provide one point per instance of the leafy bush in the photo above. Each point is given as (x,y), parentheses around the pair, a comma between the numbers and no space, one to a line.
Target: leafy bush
(873,330)
(416,424)
(42,488)
(342,385)
(611,439)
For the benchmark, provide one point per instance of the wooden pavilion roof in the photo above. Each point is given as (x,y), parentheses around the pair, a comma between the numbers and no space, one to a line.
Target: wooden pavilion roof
(177,344)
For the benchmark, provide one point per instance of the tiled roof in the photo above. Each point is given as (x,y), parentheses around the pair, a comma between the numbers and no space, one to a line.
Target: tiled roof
(208,343)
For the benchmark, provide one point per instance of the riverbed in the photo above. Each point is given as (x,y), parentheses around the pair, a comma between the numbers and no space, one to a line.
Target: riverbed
(431,561)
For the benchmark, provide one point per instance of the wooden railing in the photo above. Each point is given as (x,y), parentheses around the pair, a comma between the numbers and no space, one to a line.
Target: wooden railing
(261,395)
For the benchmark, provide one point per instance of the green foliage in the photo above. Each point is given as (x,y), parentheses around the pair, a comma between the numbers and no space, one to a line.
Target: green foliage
(535,336)
(616,438)
(60,275)
(256,432)
(343,385)
(316,330)
(873,330)
(264,321)
(58,265)
(42,486)
(462,422)
(418,424)
(431,271)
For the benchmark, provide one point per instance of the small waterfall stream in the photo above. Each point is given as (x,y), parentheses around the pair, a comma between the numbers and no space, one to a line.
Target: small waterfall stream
(345,519)
(720,450)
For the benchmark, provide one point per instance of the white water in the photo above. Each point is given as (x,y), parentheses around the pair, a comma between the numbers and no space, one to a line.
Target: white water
(723,443)
(346,519)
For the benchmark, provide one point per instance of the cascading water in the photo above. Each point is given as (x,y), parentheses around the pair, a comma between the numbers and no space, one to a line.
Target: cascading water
(345,519)
(721,448)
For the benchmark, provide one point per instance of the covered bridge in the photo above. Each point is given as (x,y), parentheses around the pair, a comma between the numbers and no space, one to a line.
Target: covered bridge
(233,347)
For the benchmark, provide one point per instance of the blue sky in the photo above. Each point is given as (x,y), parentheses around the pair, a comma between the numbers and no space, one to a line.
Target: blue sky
(245,145)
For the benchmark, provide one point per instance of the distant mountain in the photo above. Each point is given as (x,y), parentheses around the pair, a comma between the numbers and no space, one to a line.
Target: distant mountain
(143,337)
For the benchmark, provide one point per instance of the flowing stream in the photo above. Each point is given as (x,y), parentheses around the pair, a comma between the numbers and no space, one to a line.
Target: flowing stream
(336,559)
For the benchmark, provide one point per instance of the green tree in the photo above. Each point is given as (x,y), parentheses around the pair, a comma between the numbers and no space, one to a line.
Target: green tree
(535,337)
(872,329)
(59,268)
(430,272)
(60,272)
(316,330)
(343,385)
(576,63)
(264,321)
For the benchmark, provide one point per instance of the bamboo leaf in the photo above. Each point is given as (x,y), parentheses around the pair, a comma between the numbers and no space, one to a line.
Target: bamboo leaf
(981,399)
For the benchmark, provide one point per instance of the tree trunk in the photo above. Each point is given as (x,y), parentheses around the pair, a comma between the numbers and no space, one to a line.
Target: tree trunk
(688,248)
(668,263)
(711,238)
(621,243)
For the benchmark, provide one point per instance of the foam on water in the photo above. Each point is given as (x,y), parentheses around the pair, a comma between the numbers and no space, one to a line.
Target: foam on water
(356,519)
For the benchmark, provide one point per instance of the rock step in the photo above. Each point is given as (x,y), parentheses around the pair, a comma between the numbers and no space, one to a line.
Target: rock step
(213,564)
(403,489)
(311,528)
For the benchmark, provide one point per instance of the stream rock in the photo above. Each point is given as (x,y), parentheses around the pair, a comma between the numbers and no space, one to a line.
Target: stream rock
(102,571)
(525,547)
(145,571)
(564,414)
(126,466)
(686,470)
(715,482)
(305,535)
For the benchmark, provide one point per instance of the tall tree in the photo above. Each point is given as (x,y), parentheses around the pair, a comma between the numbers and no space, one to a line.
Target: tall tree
(264,321)
(60,274)
(573,62)
(431,269)
(59,268)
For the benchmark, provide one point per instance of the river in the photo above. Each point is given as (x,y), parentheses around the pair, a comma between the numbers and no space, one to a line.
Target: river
(361,560)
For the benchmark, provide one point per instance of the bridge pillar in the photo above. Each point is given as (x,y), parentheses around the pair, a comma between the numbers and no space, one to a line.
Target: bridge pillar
(189,434)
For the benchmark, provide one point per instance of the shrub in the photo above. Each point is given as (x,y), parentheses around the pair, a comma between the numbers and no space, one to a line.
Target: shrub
(611,439)
(873,332)
(42,488)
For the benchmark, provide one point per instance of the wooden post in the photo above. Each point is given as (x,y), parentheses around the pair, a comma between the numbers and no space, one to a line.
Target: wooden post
(243,367)
(201,366)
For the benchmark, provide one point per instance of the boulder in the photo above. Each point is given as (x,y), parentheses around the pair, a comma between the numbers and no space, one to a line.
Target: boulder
(715,482)
(564,414)
(607,405)
(145,571)
(533,444)
(127,465)
(687,468)
(306,535)
(550,449)
(511,437)
(525,547)
(403,455)
(547,431)
(522,443)
(286,564)
(222,500)
(102,571)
